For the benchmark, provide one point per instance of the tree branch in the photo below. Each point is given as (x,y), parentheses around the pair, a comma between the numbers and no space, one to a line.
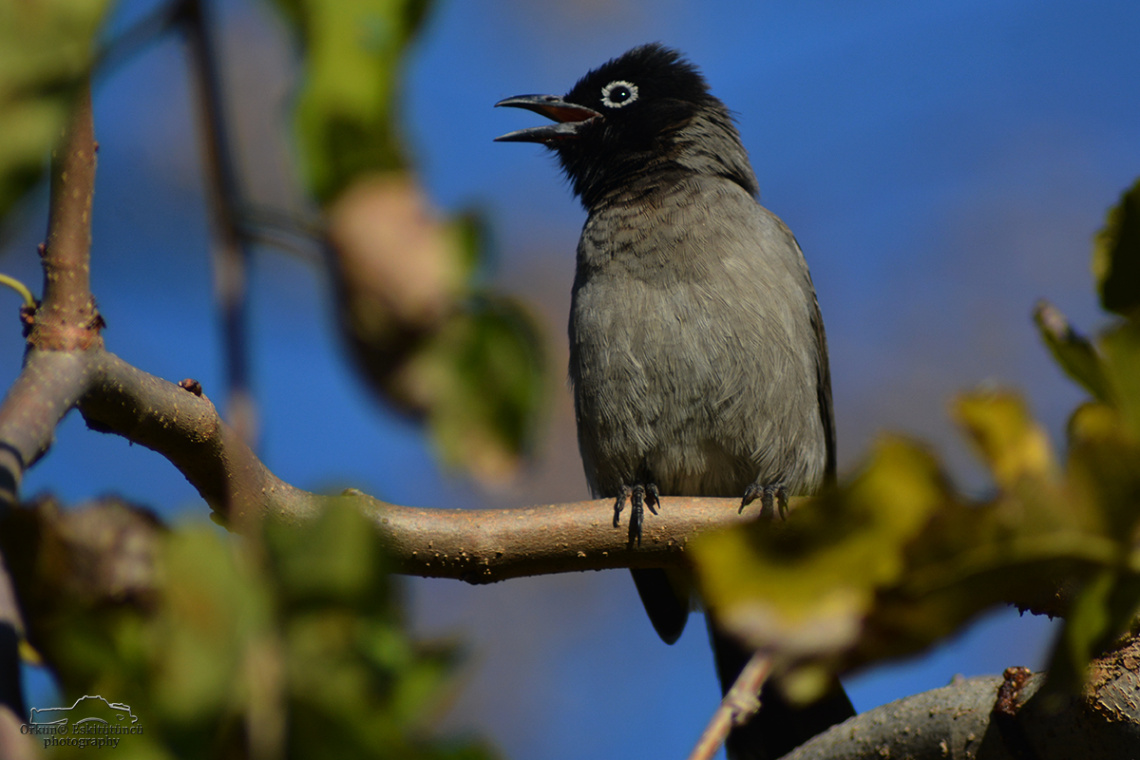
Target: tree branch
(48,386)
(185,428)
(67,319)
(53,377)
(477,546)
(486,546)
(1010,718)
(64,328)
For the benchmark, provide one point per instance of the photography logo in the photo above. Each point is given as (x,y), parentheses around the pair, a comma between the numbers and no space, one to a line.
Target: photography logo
(91,722)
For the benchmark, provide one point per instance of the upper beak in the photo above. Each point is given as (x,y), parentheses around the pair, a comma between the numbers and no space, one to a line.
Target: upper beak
(571,117)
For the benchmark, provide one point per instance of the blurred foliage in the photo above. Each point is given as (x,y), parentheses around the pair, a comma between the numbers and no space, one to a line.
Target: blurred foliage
(427,337)
(1073,352)
(290,645)
(290,642)
(1115,265)
(419,326)
(896,557)
(485,382)
(346,108)
(46,49)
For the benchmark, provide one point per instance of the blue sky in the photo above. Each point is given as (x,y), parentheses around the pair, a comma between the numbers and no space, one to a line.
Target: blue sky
(943,165)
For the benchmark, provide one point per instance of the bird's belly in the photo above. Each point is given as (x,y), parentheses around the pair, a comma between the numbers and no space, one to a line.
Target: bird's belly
(666,394)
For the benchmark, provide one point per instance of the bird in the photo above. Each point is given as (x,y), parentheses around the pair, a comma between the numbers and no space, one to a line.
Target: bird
(698,358)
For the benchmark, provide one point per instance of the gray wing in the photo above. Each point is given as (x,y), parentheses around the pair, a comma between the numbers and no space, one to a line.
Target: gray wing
(823,388)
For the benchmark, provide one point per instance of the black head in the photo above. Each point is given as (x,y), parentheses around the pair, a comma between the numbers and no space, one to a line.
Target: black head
(644,115)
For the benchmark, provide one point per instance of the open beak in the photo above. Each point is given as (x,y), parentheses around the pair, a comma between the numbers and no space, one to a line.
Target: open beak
(570,118)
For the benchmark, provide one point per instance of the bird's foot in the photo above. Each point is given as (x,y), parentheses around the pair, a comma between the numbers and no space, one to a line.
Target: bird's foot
(641,497)
(773,499)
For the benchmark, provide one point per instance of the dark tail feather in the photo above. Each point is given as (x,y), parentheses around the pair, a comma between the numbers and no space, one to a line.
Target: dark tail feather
(778,728)
(668,609)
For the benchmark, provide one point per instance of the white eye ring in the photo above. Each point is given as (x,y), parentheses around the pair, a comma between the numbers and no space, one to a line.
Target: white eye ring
(629,89)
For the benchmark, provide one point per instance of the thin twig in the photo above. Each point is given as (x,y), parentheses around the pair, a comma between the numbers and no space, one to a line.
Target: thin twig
(149,29)
(231,250)
(307,227)
(290,232)
(738,705)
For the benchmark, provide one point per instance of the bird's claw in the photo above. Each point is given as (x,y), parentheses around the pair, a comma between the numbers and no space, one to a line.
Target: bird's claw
(641,497)
(773,499)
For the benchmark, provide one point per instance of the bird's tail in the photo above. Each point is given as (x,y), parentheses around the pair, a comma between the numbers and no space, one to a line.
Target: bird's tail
(778,727)
(665,598)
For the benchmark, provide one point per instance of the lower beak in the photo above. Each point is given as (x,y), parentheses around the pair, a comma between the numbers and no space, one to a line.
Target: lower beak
(570,118)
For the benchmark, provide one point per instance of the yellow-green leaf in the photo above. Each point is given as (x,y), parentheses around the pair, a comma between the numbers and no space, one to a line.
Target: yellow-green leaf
(803,588)
(1009,440)
(1103,470)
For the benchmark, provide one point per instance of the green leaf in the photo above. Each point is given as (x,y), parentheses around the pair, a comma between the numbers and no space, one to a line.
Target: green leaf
(357,685)
(1102,472)
(1116,256)
(471,241)
(46,48)
(1075,354)
(214,600)
(334,559)
(346,109)
(1120,346)
(487,373)
(290,643)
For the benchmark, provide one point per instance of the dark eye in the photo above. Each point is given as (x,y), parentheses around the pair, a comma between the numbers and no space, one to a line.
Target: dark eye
(619,93)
